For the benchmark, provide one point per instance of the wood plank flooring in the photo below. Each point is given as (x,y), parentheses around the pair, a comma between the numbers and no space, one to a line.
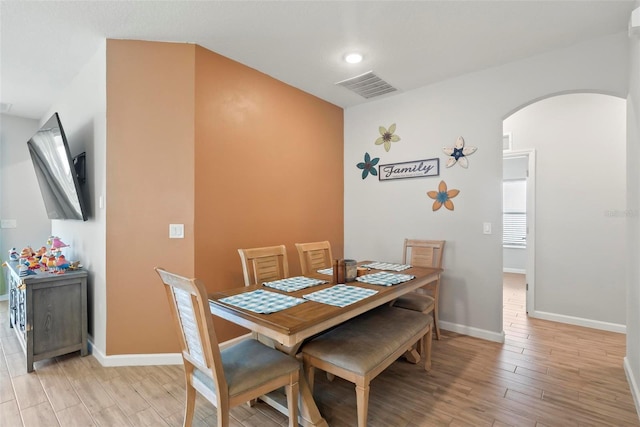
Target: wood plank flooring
(545,374)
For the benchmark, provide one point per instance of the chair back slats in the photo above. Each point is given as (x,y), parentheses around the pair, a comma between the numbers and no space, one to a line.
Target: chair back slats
(314,256)
(189,326)
(423,253)
(316,260)
(189,307)
(422,257)
(264,264)
(267,269)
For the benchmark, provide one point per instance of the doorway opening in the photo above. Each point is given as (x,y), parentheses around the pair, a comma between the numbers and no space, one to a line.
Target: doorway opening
(518,211)
(578,141)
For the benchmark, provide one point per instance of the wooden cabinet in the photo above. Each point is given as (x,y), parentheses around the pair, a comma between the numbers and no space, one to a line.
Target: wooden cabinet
(48,312)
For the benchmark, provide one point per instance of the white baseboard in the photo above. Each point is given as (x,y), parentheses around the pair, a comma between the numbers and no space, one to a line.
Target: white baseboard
(633,385)
(473,332)
(579,321)
(514,270)
(148,359)
(4,297)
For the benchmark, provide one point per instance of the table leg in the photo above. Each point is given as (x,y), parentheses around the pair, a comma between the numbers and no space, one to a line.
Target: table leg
(309,414)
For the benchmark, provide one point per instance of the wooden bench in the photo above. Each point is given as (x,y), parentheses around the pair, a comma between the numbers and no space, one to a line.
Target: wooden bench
(360,349)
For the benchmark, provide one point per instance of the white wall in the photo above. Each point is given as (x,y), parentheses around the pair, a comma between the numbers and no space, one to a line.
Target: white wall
(514,260)
(82,112)
(632,360)
(580,144)
(19,191)
(378,215)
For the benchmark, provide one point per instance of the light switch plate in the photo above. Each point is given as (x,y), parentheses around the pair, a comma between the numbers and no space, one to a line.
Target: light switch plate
(486,228)
(176,231)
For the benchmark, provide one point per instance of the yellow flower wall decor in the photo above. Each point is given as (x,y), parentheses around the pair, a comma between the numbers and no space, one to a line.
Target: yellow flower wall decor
(387,136)
(442,196)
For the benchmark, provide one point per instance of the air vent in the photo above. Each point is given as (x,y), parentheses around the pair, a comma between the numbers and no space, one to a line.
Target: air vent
(367,85)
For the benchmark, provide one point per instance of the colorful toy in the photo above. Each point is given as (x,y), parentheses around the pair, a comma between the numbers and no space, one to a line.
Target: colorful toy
(56,243)
(32,263)
(75,265)
(61,264)
(27,252)
(14,255)
(41,252)
(24,271)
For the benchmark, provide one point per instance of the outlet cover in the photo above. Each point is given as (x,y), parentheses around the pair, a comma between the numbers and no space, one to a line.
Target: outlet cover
(8,223)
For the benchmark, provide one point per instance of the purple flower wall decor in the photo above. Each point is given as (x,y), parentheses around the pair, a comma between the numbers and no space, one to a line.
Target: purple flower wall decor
(458,153)
(387,136)
(368,166)
(443,197)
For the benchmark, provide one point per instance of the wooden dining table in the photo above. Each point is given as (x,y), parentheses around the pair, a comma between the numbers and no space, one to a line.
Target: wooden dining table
(288,329)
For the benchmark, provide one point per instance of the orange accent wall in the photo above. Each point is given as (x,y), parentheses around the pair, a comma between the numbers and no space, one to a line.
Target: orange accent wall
(242,159)
(150,184)
(269,170)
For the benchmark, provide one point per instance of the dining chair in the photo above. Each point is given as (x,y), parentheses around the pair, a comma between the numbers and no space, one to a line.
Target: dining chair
(423,253)
(229,377)
(265,264)
(314,256)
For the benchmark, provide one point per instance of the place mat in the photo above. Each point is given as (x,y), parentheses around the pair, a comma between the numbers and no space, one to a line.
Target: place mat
(340,295)
(260,301)
(292,284)
(386,266)
(327,271)
(385,279)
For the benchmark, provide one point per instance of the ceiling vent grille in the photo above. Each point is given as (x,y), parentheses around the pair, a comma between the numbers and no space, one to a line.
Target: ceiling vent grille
(367,85)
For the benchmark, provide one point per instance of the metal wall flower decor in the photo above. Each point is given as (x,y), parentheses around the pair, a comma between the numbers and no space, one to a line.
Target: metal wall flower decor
(368,166)
(443,197)
(387,136)
(458,153)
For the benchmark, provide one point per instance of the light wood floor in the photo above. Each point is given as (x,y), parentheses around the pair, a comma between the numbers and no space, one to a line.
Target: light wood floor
(545,374)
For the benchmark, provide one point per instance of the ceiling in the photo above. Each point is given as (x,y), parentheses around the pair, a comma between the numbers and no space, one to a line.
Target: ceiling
(409,44)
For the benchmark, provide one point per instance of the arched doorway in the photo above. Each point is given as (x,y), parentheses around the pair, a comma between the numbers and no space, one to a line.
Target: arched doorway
(579,142)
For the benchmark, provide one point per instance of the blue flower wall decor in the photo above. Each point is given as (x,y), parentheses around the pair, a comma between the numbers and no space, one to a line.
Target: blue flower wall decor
(387,136)
(442,197)
(368,166)
(458,153)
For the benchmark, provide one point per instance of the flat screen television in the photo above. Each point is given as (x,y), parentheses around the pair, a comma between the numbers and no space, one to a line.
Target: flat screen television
(56,172)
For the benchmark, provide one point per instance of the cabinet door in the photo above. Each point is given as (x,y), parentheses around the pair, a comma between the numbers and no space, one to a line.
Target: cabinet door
(57,317)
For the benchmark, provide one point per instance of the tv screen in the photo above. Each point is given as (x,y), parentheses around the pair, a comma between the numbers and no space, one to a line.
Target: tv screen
(56,173)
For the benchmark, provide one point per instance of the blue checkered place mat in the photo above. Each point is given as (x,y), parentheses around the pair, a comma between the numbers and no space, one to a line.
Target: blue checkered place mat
(327,271)
(386,266)
(340,295)
(385,279)
(292,284)
(261,301)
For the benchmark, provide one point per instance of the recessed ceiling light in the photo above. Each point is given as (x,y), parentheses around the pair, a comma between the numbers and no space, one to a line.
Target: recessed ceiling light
(353,58)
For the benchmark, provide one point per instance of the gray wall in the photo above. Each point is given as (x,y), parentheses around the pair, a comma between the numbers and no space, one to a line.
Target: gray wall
(20,198)
(632,360)
(378,215)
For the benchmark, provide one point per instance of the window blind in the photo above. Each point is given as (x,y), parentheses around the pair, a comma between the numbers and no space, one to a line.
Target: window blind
(514,213)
